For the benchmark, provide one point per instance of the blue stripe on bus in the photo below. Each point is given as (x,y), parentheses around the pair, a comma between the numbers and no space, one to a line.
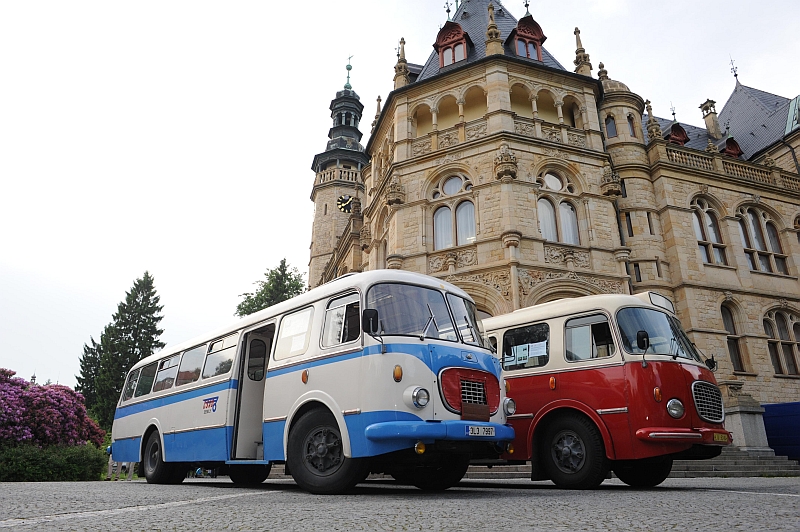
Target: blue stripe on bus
(444,356)
(272,434)
(126,450)
(158,402)
(199,445)
(361,446)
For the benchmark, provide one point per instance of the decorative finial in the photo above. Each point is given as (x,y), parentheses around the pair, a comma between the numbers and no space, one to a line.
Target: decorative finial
(602,73)
(527,11)
(447,8)
(672,108)
(734,69)
(349,67)
(578,43)
(402,53)
(727,128)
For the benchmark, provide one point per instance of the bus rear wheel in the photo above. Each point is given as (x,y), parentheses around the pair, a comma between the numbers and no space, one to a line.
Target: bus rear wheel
(572,453)
(249,475)
(316,456)
(644,473)
(156,470)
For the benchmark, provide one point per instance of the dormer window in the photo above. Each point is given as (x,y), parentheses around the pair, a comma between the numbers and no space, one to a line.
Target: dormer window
(451,44)
(529,49)
(527,39)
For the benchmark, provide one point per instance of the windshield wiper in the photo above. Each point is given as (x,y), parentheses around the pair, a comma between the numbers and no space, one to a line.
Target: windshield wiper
(431,319)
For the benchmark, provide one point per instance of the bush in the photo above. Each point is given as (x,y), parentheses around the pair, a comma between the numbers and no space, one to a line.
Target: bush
(29,463)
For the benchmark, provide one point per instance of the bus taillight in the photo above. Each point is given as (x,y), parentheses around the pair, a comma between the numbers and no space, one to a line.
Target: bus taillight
(468,386)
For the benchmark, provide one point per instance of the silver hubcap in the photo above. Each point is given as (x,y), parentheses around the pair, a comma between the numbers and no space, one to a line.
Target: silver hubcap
(568,452)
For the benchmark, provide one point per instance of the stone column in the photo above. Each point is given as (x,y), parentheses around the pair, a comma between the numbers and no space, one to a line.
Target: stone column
(744,418)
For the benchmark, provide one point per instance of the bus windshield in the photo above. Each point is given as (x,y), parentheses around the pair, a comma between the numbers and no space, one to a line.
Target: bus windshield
(409,310)
(665,332)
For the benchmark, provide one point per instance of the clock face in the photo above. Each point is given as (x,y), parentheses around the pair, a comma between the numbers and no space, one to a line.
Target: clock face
(345,203)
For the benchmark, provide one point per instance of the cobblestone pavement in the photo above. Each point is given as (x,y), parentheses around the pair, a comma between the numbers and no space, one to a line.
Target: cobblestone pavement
(716,504)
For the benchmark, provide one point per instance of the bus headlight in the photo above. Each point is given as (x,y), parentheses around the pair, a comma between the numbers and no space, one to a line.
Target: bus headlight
(509,406)
(675,408)
(420,397)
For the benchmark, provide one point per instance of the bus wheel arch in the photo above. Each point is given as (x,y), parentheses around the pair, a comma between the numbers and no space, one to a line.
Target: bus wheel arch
(311,401)
(569,449)
(564,407)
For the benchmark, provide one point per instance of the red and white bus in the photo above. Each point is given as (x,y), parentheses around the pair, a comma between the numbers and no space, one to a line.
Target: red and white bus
(606,382)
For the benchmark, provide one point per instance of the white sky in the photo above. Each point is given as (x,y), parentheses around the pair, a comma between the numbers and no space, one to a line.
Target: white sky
(177,136)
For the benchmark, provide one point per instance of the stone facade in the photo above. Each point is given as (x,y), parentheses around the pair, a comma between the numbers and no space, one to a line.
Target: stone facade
(520,133)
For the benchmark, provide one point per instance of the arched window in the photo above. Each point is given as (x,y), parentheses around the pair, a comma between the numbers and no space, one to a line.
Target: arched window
(547,220)
(569,223)
(783,346)
(526,48)
(631,126)
(611,127)
(453,227)
(733,339)
(706,230)
(764,255)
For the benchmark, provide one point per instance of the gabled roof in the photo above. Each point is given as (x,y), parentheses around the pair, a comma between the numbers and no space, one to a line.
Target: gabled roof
(473,16)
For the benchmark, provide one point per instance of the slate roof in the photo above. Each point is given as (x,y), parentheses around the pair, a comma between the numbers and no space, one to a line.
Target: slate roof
(756,118)
(473,16)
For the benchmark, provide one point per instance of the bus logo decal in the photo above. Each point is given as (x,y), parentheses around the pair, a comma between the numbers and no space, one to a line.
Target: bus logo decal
(210,404)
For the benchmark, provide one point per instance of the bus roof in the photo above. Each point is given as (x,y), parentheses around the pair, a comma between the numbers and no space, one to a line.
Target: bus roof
(563,307)
(340,284)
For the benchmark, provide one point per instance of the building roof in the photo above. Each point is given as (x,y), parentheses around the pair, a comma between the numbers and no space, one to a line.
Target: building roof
(473,17)
(756,119)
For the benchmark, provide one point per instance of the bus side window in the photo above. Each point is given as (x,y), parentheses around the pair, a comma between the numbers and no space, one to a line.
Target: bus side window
(257,361)
(526,347)
(146,379)
(293,335)
(341,321)
(191,365)
(167,369)
(493,343)
(220,356)
(588,337)
(130,386)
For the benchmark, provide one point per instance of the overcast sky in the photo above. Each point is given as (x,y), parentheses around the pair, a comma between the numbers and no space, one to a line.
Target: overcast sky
(177,136)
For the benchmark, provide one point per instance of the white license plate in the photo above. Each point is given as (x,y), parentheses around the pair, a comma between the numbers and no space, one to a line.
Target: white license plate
(475,430)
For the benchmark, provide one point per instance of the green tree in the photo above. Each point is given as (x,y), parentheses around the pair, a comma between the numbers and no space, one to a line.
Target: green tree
(283,282)
(132,335)
(90,367)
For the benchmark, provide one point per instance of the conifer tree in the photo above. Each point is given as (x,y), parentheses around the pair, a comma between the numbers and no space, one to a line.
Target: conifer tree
(90,367)
(132,335)
(283,282)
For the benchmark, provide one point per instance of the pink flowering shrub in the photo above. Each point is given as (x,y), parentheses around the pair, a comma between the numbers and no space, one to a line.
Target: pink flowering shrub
(43,415)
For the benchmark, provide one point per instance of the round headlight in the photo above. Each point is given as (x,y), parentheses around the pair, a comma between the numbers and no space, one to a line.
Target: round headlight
(509,406)
(420,397)
(675,408)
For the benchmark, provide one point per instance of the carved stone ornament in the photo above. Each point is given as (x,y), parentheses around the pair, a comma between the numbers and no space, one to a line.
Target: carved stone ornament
(559,255)
(784,303)
(394,262)
(395,193)
(610,184)
(458,259)
(551,134)
(365,237)
(476,131)
(505,164)
(500,281)
(653,129)
(576,139)
(728,296)
(448,140)
(769,161)
(529,279)
(555,152)
(421,147)
(704,189)
(756,198)
(711,147)
(523,128)
(449,158)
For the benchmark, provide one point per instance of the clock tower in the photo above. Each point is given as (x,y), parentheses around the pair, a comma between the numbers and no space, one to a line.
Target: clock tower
(338,185)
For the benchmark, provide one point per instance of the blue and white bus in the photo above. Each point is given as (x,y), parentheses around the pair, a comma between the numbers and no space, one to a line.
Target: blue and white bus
(383,371)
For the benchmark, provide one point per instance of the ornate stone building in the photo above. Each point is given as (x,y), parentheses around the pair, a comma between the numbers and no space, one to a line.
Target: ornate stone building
(498,169)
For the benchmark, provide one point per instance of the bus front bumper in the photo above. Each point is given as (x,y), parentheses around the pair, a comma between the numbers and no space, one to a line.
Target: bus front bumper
(429,431)
(702,436)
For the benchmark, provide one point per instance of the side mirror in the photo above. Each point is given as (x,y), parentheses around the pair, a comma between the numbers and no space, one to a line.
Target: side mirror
(711,363)
(643,340)
(369,321)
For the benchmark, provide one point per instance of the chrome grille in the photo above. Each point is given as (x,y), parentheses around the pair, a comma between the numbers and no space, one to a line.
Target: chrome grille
(708,401)
(473,393)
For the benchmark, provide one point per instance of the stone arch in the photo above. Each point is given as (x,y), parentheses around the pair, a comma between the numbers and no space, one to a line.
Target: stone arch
(559,289)
(475,103)
(774,215)
(713,201)
(520,95)
(563,168)
(571,109)
(434,178)
(421,120)
(447,111)
(737,311)
(486,297)
(546,105)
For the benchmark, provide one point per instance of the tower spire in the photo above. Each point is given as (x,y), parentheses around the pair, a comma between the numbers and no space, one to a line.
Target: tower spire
(401,73)
(349,67)
(582,64)
(527,10)
(494,46)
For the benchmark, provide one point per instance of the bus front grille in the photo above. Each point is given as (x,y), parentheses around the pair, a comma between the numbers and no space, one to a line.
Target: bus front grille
(473,393)
(708,401)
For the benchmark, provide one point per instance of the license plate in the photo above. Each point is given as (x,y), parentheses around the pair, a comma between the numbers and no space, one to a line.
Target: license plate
(475,430)
(720,437)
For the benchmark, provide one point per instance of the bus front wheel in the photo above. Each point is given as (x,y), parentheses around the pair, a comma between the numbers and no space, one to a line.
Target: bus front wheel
(572,453)
(644,473)
(156,470)
(249,475)
(316,456)
(446,474)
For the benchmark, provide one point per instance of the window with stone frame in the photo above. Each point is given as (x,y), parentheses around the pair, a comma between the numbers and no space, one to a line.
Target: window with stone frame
(632,126)
(527,48)
(453,222)
(558,217)
(761,242)
(706,230)
(797,228)
(733,338)
(611,127)
(782,346)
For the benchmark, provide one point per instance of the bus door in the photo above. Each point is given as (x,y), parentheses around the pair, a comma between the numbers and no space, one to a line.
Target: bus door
(247,439)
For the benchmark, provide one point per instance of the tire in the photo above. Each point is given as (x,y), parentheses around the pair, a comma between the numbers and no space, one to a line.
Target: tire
(156,470)
(644,473)
(316,456)
(572,453)
(249,475)
(448,473)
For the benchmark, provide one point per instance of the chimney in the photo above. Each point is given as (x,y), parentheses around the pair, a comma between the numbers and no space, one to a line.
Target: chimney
(710,116)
